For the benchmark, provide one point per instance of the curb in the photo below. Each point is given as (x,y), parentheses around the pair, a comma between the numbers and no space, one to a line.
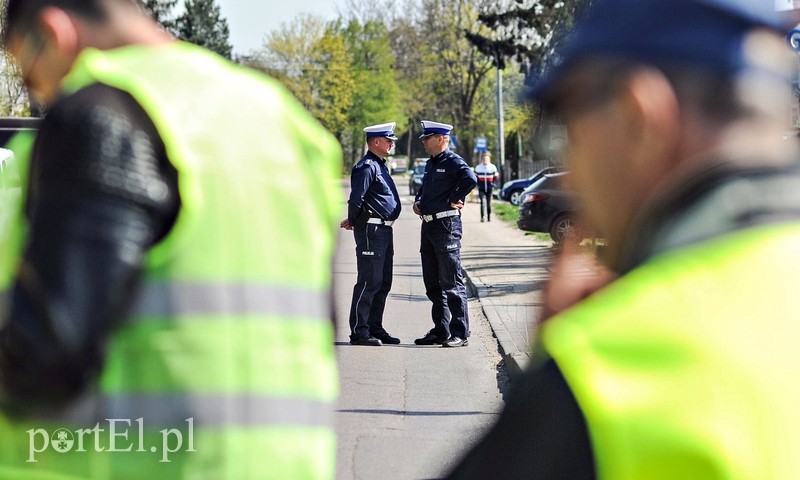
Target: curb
(515,360)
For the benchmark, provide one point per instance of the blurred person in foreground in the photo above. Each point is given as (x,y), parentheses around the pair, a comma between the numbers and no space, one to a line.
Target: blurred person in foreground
(686,365)
(165,296)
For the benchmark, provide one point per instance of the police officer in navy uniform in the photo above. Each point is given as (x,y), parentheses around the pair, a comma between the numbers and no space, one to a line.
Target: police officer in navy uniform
(447,181)
(373,207)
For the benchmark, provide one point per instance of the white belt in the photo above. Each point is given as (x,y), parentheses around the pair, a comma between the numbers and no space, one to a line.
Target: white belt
(437,216)
(380,221)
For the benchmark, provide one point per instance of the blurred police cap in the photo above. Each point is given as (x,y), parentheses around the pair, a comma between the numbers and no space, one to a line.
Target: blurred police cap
(704,33)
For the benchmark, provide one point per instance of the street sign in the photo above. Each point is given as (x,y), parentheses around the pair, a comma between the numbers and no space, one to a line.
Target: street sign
(453,142)
(793,37)
(480,144)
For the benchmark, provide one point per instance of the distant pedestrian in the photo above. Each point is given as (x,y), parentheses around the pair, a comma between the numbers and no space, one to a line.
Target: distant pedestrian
(373,207)
(487,176)
(684,364)
(447,181)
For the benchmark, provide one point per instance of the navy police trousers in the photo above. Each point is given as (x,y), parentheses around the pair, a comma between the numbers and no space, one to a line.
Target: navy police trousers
(440,248)
(374,257)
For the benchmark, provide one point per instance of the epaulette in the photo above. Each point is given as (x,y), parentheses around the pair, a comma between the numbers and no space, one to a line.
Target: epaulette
(368,161)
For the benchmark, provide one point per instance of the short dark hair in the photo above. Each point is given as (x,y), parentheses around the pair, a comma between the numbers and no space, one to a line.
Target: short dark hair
(20,15)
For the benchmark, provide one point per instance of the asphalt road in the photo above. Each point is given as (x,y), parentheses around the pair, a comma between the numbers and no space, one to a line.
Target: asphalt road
(409,412)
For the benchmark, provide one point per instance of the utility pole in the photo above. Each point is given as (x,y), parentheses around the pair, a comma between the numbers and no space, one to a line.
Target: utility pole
(501,141)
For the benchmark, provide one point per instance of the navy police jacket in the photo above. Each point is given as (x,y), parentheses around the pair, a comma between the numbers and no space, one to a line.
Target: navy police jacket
(373,189)
(447,180)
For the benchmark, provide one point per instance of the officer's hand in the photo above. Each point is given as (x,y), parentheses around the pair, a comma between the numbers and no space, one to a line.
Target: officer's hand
(416,208)
(346,224)
(458,206)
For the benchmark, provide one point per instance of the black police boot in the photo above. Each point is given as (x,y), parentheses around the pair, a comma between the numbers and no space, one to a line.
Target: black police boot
(368,341)
(430,338)
(386,338)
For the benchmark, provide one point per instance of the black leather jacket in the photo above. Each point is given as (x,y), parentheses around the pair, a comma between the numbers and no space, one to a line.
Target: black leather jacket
(101,193)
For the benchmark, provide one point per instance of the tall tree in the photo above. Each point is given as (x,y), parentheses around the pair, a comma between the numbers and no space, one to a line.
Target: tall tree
(13,95)
(289,54)
(202,24)
(334,83)
(377,94)
(409,47)
(459,79)
(527,32)
(162,11)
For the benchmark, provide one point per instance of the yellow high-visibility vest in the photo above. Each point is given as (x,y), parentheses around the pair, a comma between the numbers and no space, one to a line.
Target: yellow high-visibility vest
(225,368)
(687,367)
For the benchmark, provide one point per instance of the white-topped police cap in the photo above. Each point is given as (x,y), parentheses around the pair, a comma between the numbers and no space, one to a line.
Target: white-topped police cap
(431,128)
(381,130)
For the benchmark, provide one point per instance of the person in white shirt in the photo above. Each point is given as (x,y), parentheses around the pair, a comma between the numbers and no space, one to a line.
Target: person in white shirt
(487,175)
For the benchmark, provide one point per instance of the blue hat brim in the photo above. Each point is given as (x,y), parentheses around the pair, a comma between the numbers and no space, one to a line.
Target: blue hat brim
(390,136)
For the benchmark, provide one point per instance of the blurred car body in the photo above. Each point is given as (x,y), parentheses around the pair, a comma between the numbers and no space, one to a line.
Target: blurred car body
(397,164)
(9,126)
(415,179)
(512,189)
(547,206)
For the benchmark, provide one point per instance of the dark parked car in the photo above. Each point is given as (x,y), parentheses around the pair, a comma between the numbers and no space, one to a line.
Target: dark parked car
(513,188)
(415,180)
(9,126)
(548,206)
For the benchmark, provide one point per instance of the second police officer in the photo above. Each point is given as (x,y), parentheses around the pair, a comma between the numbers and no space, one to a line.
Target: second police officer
(447,181)
(373,207)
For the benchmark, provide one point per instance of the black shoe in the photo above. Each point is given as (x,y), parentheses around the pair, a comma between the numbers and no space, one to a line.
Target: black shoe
(430,338)
(368,341)
(456,342)
(387,339)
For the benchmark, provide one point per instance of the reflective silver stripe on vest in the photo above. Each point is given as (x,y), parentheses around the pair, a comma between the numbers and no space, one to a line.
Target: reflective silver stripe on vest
(172,300)
(172,411)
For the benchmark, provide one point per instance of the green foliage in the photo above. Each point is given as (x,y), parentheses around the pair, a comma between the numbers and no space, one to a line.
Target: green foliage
(202,24)
(289,55)
(334,95)
(376,94)
(405,63)
(457,83)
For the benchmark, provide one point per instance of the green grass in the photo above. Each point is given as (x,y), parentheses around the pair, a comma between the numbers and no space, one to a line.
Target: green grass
(505,211)
(510,213)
